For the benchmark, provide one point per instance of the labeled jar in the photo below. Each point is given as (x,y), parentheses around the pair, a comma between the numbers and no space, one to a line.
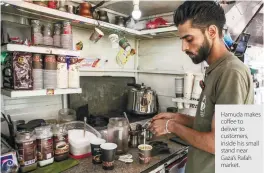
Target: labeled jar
(67,28)
(37,37)
(45,152)
(60,143)
(50,62)
(36,26)
(47,31)
(57,29)
(37,62)
(27,150)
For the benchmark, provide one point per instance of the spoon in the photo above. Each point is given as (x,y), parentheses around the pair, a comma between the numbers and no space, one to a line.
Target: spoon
(127,121)
(84,127)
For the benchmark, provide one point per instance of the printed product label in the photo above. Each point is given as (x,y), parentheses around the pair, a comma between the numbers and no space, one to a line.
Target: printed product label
(61,144)
(27,153)
(45,148)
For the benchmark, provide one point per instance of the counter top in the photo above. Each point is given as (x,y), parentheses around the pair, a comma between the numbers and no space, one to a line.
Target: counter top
(86,164)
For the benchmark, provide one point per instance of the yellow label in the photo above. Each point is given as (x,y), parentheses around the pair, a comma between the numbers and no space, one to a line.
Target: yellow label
(50,91)
(20,60)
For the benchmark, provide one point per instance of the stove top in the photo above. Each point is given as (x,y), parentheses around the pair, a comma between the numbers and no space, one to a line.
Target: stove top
(99,121)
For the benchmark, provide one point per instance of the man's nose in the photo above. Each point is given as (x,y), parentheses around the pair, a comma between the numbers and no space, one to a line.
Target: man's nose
(184,46)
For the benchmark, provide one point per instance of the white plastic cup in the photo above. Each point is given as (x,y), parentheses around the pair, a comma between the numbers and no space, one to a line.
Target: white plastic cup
(179,83)
(188,85)
(96,35)
(180,105)
(114,40)
(196,87)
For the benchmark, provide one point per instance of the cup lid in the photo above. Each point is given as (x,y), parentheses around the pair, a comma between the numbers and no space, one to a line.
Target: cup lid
(108,146)
(97,141)
(148,147)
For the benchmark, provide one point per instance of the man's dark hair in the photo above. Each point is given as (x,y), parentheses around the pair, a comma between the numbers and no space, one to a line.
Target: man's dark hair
(202,14)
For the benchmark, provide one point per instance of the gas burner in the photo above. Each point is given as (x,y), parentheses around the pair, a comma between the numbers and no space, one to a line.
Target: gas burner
(97,121)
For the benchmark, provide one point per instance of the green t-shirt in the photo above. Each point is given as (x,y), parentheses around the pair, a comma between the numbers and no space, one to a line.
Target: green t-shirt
(227,81)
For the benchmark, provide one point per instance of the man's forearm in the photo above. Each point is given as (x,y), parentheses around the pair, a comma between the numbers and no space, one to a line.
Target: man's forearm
(185,120)
(202,140)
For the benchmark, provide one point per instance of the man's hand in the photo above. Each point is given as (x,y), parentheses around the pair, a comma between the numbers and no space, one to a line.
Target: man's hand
(182,119)
(164,115)
(158,127)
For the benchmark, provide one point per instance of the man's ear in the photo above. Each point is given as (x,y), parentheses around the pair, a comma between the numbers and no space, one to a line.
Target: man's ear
(212,31)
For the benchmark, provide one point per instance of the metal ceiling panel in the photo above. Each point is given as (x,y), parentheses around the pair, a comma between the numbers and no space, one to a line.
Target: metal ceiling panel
(147,8)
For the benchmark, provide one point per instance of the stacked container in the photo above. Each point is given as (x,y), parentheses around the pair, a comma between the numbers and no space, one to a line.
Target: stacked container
(66,36)
(37,71)
(57,35)
(62,72)
(37,37)
(50,72)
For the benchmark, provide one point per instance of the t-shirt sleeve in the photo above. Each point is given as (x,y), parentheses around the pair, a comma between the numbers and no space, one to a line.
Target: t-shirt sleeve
(231,88)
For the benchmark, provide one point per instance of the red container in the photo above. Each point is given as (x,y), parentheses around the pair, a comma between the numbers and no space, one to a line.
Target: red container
(52,4)
(67,28)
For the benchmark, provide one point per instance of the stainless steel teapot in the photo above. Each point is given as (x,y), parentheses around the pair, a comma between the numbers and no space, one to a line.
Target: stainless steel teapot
(142,100)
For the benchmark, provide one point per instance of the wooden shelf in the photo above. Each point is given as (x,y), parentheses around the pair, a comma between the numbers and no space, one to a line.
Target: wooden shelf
(36,11)
(182,100)
(43,92)
(39,49)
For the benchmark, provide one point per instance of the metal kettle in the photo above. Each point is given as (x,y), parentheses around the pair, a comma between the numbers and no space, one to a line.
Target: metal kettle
(142,100)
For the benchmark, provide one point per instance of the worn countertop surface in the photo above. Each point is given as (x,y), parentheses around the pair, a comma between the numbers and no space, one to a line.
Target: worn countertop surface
(86,164)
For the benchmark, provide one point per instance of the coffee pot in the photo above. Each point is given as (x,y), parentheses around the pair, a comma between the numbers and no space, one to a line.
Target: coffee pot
(142,100)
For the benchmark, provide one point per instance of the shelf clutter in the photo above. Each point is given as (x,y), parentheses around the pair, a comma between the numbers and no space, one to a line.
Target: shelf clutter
(43,92)
(38,10)
(39,49)
(46,64)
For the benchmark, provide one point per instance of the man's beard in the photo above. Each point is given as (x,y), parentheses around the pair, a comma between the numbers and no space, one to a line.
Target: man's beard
(203,52)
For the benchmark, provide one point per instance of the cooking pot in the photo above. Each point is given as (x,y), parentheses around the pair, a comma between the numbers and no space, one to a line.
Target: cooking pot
(142,100)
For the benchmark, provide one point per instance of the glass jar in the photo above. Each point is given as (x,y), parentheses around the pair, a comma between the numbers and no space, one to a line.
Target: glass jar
(57,29)
(117,132)
(66,115)
(67,28)
(45,152)
(35,24)
(36,37)
(47,32)
(60,142)
(27,153)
